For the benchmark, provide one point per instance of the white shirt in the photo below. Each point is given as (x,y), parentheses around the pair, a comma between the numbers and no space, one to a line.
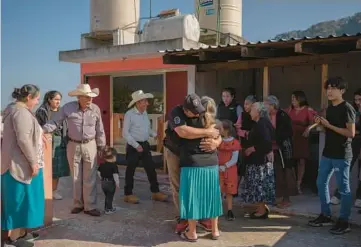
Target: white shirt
(136,127)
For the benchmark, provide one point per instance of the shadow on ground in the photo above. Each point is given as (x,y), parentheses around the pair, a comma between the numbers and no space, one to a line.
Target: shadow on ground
(151,224)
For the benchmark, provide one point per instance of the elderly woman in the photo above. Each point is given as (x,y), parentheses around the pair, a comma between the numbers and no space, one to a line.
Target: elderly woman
(51,105)
(200,194)
(22,189)
(258,186)
(283,155)
(243,126)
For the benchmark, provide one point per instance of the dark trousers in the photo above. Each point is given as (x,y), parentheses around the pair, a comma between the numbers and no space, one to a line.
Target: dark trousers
(108,188)
(133,157)
(285,177)
(356,148)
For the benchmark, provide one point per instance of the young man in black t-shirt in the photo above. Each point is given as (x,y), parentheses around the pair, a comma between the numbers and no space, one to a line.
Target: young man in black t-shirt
(339,125)
(356,151)
(179,121)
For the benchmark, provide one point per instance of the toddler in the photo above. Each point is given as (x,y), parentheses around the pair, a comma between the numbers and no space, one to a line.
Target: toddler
(109,175)
(228,153)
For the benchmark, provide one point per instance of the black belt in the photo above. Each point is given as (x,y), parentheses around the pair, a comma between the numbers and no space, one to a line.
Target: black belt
(108,179)
(82,141)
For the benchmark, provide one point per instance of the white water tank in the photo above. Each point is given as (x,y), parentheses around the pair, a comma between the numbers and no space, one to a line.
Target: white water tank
(182,26)
(227,12)
(109,15)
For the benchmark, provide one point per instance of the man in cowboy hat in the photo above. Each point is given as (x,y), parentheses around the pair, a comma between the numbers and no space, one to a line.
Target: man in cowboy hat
(86,138)
(136,130)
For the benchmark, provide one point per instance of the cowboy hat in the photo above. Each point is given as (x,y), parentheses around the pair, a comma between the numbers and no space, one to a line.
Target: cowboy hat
(84,90)
(139,95)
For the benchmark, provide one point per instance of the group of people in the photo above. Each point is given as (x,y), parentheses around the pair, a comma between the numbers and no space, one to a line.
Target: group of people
(268,149)
(210,150)
(78,141)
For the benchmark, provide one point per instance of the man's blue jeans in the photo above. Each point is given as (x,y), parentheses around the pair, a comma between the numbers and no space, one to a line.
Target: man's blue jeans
(341,167)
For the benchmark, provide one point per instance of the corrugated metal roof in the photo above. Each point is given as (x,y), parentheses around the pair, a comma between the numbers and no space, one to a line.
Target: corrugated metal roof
(270,41)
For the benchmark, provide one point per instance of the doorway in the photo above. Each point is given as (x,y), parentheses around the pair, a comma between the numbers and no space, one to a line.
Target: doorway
(123,87)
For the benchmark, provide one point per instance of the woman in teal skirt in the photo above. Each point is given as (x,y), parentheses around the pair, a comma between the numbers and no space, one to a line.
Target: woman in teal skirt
(200,194)
(50,106)
(22,159)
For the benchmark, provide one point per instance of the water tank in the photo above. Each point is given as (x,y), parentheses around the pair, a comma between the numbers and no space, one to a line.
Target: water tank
(182,26)
(228,13)
(109,15)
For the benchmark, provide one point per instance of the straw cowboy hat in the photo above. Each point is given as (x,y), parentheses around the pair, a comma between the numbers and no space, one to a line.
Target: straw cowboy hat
(139,95)
(84,90)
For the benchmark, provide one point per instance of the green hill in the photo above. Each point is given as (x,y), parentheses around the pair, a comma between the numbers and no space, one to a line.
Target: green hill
(349,25)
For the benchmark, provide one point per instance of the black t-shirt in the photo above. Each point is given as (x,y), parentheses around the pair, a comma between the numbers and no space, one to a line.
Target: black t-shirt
(338,146)
(190,153)
(107,170)
(176,118)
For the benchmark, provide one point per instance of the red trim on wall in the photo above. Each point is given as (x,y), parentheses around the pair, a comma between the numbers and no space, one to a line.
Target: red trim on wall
(103,100)
(176,89)
(153,63)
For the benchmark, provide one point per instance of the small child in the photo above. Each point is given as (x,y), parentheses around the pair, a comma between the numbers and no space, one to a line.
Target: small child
(109,175)
(228,153)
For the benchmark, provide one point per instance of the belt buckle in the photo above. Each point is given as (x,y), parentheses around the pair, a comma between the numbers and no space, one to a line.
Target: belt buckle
(85,141)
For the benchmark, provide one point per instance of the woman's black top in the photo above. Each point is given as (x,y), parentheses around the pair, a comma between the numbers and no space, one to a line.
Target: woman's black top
(227,112)
(247,125)
(283,127)
(284,134)
(190,153)
(260,137)
(43,115)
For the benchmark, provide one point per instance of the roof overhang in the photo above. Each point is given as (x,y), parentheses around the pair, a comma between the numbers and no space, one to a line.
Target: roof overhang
(137,50)
(270,49)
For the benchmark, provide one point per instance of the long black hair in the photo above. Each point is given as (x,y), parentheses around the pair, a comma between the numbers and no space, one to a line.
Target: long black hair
(51,95)
(301,98)
(357,92)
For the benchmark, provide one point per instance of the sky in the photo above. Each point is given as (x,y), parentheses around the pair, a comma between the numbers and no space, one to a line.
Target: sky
(33,32)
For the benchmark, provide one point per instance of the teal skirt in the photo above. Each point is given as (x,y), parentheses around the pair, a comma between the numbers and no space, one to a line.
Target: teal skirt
(60,160)
(23,205)
(200,193)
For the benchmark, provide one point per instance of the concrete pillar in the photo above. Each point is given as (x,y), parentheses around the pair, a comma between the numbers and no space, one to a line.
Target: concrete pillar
(48,181)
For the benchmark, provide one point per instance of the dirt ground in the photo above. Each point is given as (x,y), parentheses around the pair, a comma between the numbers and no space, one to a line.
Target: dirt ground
(151,224)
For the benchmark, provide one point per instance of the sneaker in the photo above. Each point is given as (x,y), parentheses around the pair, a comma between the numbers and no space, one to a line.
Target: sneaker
(132,199)
(341,227)
(181,226)
(159,196)
(206,225)
(230,216)
(321,220)
(358,203)
(57,196)
(110,211)
(17,243)
(335,201)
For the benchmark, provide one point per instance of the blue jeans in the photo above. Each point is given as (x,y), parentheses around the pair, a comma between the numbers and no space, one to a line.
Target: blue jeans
(341,167)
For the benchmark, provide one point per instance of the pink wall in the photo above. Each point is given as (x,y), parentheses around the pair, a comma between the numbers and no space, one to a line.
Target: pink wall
(103,100)
(176,89)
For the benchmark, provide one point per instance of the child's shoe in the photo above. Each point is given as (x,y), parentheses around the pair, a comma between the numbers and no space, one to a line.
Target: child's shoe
(230,216)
